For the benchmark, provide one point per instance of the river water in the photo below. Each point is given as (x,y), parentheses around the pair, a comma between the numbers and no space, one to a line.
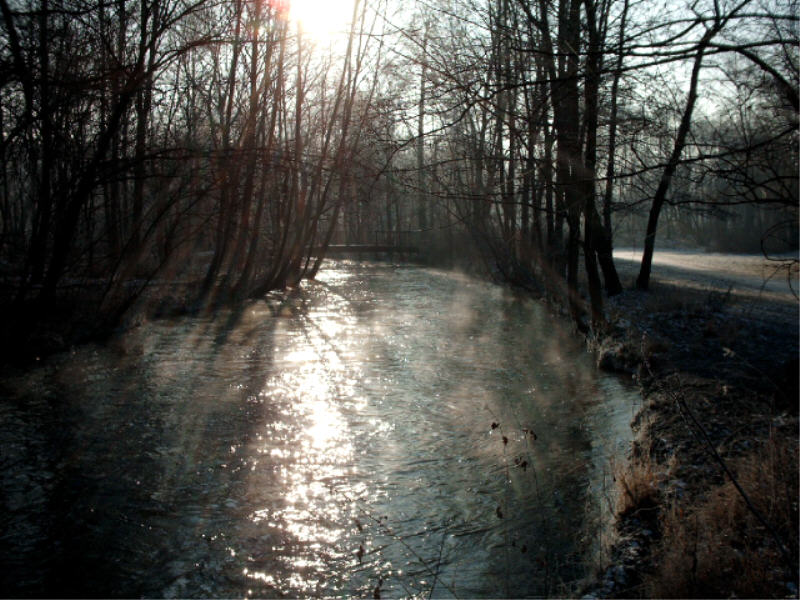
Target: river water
(381,431)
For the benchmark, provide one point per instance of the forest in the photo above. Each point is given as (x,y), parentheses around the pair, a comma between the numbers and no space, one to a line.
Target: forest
(217,145)
(198,397)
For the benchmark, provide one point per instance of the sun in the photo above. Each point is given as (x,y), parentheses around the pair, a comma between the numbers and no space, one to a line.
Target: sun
(323,20)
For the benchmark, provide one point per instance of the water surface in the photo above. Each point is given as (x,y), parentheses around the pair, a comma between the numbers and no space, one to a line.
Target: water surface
(381,431)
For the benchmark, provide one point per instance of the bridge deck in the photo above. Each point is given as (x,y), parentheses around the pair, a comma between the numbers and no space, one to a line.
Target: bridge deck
(364,248)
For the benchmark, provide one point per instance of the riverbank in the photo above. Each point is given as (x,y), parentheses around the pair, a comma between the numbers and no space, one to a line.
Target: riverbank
(708,504)
(721,356)
(77,318)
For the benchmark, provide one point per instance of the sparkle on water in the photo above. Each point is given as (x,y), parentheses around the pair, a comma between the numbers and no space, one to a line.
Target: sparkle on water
(331,441)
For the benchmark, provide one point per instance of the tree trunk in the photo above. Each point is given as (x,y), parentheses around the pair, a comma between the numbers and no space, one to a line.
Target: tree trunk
(422,213)
(43,214)
(597,241)
(643,280)
(612,127)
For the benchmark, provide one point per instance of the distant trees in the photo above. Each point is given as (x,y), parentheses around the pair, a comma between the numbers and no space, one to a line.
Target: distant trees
(517,106)
(551,116)
(196,141)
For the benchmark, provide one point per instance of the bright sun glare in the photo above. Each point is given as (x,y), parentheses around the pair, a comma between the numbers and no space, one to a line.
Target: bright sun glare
(322,19)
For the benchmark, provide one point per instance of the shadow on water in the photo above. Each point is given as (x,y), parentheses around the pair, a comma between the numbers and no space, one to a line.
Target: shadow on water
(132,478)
(408,431)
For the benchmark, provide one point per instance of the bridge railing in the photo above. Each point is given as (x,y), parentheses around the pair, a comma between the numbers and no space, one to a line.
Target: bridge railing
(404,238)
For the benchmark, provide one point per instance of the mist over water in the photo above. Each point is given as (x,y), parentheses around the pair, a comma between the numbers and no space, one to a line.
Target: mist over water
(405,429)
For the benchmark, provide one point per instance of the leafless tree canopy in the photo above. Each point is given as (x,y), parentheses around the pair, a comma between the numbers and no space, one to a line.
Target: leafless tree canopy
(218,148)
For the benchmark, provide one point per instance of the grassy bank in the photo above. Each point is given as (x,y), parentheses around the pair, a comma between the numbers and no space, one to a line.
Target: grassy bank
(708,505)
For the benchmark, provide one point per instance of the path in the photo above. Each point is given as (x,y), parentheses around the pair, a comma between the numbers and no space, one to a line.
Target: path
(752,277)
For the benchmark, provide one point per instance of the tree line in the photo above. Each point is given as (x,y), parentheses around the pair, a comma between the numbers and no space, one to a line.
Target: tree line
(216,143)
(558,125)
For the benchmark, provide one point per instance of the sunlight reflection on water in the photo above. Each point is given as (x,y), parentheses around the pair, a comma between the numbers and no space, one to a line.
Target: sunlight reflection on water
(338,439)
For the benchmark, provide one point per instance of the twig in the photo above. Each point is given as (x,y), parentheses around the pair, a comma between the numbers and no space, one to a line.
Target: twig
(438,564)
(392,534)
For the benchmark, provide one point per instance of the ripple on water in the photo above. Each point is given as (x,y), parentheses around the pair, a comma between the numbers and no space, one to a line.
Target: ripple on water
(321,443)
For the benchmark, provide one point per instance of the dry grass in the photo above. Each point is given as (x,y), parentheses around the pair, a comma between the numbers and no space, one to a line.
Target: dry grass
(639,486)
(717,548)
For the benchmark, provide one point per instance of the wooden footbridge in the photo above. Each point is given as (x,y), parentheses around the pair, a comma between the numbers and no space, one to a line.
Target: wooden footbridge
(368,249)
(385,242)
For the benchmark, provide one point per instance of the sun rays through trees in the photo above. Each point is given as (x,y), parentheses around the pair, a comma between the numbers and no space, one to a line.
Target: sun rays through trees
(224,145)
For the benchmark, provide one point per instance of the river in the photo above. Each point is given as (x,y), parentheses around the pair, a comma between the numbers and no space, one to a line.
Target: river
(382,431)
